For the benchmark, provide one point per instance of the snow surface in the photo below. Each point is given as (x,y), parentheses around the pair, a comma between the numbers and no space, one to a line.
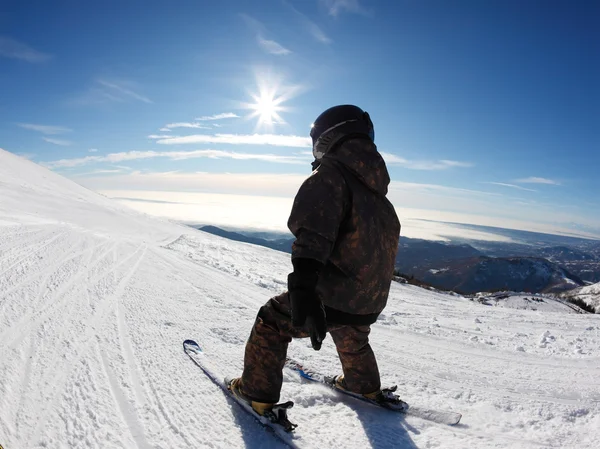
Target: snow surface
(590,294)
(95,301)
(527,301)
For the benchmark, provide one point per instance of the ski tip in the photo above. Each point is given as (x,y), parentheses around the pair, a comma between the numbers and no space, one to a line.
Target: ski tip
(191,343)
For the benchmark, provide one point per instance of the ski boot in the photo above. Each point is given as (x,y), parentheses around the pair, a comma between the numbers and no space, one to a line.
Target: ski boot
(275,413)
(385,398)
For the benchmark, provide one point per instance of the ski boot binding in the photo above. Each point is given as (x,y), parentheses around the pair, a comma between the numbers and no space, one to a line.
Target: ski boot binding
(275,413)
(384,398)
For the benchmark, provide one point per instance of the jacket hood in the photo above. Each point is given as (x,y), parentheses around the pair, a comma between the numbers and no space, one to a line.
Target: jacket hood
(360,156)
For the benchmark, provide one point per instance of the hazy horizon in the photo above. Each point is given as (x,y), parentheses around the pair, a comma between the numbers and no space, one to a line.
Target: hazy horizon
(262,213)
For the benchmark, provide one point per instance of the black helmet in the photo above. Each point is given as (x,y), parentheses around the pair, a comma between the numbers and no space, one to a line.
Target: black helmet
(336,123)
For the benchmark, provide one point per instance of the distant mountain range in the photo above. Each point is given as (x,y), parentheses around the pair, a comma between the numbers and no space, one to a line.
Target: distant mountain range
(579,256)
(517,274)
(282,244)
(467,269)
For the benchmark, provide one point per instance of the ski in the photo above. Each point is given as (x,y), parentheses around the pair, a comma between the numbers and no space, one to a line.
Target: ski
(438,416)
(193,350)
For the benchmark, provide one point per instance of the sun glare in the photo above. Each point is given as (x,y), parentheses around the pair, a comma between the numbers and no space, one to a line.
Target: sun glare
(266,108)
(268,100)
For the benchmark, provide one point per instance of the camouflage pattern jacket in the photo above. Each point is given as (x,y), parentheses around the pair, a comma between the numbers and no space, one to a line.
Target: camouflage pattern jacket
(342,218)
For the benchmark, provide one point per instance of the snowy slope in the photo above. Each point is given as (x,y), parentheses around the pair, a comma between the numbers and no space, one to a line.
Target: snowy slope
(593,289)
(590,294)
(527,301)
(95,301)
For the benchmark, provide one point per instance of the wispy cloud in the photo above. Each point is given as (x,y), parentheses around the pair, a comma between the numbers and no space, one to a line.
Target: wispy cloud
(317,32)
(11,48)
(512,186)
(174,155)
(237,139)
(536,180)
(93,150)
(45,129)
(269,45)
(275,48)
(123,90)
(60,142)
(108,171)
(222,116)
(442,164)
(170,126)
(311,27)
(438,188)
(335,7)
(105,91)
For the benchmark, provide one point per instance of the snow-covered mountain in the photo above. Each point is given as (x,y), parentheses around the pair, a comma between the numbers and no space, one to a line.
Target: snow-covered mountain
(590,294)
(527,274)
(561,254)
(95,301)
(593,290)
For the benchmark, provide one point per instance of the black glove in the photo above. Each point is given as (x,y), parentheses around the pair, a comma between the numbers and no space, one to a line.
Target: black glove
(307,308)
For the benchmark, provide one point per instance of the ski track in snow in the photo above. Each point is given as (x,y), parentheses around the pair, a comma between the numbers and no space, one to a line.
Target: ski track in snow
(95,301)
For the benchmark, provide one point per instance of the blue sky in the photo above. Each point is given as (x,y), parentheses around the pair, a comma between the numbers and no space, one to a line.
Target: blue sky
(486,112)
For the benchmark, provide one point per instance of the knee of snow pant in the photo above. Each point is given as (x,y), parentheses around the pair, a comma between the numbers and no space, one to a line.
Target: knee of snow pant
(359,365)
(277,313)
(266,350)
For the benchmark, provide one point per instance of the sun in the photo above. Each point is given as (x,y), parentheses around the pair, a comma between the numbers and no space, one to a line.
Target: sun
(268,100)
(266,107)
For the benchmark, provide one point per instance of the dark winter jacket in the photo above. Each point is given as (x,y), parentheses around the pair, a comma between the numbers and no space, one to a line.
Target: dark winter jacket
(342,219)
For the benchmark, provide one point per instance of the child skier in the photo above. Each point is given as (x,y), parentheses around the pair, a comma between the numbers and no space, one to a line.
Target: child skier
(347,236)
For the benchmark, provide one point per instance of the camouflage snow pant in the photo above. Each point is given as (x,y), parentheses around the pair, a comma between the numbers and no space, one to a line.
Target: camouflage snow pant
(266,351)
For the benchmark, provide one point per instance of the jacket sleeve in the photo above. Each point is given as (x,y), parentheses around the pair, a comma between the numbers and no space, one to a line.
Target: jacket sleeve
(318,211)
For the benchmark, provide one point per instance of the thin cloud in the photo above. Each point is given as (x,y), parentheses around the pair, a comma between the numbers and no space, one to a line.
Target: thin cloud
(536,180)
(275,48)
(93,150)
(270,46)
(317,32)
(254,24)
(512,186)
(335,7)
(100,172)
(238,139)
(11,48)
(311,27)
(222,116)
(60,142)
(45,129)
(170,126)
(443,164)
(105,91)
(438,188)
(121,88)
(174,155)
(448,163)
